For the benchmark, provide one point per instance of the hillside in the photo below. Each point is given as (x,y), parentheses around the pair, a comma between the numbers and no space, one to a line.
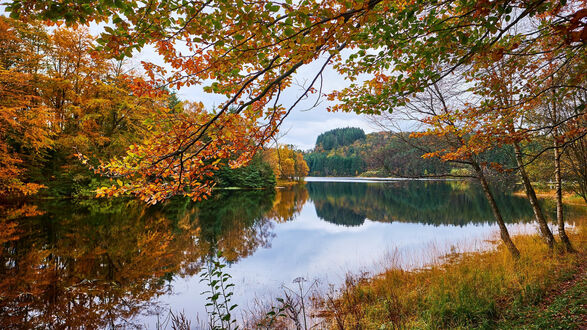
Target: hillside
(351,152)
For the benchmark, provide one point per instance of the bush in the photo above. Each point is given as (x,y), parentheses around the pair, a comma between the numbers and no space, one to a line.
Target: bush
(256,175)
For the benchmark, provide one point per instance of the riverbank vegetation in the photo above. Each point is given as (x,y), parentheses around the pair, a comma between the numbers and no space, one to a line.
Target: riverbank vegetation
(467,290)
(485,289)
(280,165)
(388,154)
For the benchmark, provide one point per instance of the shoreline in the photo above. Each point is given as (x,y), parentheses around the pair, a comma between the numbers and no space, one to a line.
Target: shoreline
(373,179)
(462,290)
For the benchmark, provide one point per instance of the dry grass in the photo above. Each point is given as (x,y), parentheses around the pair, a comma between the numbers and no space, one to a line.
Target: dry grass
(465,291)
(288,183)
(569,198)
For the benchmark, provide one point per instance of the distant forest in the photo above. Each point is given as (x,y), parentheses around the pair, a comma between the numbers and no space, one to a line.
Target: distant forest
(339,137)
(351,152)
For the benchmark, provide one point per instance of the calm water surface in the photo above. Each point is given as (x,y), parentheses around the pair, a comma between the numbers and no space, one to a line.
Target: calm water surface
(105,263)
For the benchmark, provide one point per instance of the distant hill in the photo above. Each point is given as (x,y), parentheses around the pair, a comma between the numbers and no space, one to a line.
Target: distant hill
(339,137)
(351,152)
(337,153)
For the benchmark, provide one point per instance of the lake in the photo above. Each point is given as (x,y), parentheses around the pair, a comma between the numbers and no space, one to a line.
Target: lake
(107,263)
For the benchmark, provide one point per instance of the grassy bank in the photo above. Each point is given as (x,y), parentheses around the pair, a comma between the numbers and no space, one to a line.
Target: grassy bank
(288,183)
(569,198)
(483,290)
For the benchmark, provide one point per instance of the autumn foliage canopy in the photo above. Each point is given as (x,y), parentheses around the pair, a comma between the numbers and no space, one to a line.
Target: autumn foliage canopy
(249,52)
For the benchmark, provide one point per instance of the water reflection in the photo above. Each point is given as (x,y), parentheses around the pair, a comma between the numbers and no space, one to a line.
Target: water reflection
(101,263)
(436,203)
(92,264)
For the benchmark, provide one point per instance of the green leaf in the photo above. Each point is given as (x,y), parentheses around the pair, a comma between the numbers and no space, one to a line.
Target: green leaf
(271,7)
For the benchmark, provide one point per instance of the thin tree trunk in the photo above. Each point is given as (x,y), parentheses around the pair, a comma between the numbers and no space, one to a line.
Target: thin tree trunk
(531,194)
(559,196)
(503,231)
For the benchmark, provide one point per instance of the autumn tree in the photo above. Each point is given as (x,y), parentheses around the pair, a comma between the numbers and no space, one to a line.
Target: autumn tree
(61,98)
(286,162)
(96,110)
(447,117)
(564,124)
(524,97)
(562,117)
(24,131)
(301,168)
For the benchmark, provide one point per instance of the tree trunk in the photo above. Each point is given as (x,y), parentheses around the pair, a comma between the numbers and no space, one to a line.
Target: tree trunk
(531,194)
(503,231)
(559,196)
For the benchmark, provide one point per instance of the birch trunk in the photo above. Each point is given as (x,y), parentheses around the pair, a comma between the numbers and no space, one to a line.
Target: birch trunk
(505,235)
(531,194)
(559,196)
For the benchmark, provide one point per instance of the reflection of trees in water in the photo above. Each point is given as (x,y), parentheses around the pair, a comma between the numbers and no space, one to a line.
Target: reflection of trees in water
(98,263)
(91,264)
(237,222)
(288,203)
(422,202)
(234,222)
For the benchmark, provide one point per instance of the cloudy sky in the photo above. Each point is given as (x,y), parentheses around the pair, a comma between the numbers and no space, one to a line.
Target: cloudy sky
(304,124)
